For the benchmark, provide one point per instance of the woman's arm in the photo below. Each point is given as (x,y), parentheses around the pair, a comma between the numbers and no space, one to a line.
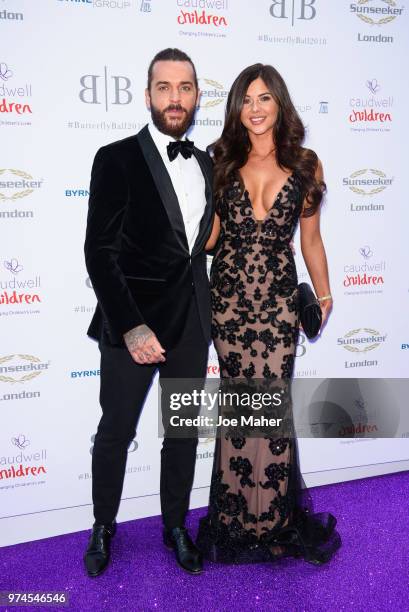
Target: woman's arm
(313,251)
(212,241)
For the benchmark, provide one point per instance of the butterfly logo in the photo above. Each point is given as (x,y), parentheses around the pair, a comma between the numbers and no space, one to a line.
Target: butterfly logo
(21,442)
(373,86)
(13,266)
(366,252)
(5,73)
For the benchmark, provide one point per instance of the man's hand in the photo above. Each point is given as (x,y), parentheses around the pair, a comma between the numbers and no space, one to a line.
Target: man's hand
(143,345)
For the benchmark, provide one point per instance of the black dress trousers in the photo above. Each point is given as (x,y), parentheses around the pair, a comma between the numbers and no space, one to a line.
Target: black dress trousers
(124,386)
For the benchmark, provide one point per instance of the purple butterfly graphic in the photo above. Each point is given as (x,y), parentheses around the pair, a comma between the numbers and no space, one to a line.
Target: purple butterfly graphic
(366,252)
(21,442)
(13,266)
(5,73)
(373,86)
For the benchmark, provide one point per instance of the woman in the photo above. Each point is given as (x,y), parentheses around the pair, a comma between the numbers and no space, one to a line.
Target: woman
(265,183)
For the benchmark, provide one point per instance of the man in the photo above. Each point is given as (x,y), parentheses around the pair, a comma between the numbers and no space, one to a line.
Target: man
(150,214)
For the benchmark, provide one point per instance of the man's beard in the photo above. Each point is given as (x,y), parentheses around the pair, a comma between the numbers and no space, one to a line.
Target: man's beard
(169,127)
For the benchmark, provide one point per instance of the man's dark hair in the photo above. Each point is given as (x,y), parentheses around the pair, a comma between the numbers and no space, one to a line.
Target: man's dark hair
(173,55)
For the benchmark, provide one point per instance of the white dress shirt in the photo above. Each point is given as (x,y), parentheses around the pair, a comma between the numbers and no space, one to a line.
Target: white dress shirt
(188,183)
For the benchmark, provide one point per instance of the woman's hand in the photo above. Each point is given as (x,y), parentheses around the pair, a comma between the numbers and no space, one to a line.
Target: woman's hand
(326,307)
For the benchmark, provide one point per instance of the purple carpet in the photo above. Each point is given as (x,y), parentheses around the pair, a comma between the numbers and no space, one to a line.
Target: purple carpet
(369,572)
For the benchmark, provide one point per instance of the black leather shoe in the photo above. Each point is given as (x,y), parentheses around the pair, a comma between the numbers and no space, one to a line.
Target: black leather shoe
(98,552)
(187,554)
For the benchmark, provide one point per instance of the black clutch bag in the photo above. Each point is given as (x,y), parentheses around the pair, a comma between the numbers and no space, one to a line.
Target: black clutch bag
(310,310)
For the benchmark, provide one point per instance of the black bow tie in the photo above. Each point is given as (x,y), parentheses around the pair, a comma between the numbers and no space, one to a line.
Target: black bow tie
(185,147)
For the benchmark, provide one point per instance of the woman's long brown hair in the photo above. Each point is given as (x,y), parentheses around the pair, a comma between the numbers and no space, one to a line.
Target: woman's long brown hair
(231,150)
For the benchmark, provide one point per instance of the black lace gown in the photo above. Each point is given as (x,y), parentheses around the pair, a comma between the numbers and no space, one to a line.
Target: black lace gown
(259,508)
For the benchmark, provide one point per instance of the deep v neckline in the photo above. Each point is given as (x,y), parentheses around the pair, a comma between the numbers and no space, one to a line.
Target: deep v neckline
(279,193)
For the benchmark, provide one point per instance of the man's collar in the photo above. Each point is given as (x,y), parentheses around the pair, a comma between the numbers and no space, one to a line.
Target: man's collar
(160,139)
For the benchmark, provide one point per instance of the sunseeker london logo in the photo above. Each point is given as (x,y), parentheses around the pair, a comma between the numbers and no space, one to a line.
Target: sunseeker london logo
(377,16)
(20,368)
(16,184)
(213,93)
(367,181)
(368,186)
(360,341)
(212,102)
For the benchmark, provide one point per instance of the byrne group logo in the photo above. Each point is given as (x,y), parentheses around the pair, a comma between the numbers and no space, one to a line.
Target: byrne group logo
(84,373)
(371,113)
(202,13)
(15,469)
(76,193)
(15,369)
(105,89)
(375,13)
(99,4)
(367,184)
(13,97)
(17,289)
(362,277)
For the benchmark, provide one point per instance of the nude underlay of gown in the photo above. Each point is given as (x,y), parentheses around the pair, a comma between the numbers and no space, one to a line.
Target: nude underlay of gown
(259,507)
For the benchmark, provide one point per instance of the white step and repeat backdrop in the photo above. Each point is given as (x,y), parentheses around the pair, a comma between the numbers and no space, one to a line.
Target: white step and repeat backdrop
(72,78)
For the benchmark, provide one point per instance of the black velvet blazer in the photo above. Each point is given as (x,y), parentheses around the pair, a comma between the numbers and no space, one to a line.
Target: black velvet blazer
(136,249)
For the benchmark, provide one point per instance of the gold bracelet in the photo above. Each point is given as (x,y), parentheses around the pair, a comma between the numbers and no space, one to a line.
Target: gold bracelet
(324,298)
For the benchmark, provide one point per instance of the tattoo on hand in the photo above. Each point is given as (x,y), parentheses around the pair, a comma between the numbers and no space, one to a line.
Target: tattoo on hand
(136,337)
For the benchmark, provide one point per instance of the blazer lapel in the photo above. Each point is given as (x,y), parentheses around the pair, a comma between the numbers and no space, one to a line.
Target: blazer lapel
(205,167)
(164,185)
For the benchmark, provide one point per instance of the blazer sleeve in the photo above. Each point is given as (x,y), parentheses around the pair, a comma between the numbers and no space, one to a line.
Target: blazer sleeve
(107,205)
